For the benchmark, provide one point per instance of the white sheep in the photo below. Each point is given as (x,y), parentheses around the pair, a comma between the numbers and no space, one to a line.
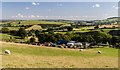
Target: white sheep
(81,49)
(99,52)
(7,52)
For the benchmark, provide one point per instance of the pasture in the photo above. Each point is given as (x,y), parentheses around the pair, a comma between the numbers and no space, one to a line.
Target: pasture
(15,25)
(32,56)
(6,36)
(33,22)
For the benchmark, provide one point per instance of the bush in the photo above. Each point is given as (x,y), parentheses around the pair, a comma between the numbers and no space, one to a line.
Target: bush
(115,40)
(96,27)
(114,32)
(69,28)
(13,32)
(5,30)
(22,33)
(32,40)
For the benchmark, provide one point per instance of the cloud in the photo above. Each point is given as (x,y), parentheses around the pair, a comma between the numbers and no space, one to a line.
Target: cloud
(12,16)
(34,3)
(20,15)
(71,16)
(32,16)
(38,3)
(96,5)
(115,7)
(37,16)
(27,8)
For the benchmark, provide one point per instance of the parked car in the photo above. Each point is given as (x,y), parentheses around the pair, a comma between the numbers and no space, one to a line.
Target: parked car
(73,44)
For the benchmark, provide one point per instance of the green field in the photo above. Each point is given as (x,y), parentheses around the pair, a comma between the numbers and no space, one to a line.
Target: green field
(106,30)
(6,36)
(33,22)
(45,57)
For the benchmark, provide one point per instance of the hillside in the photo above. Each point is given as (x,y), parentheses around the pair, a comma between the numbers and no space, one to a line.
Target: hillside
(48,57)
(32,22)
(35,27)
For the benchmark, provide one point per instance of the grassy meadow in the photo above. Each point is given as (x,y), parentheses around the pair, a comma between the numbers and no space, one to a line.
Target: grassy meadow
(49,57)
(33,22)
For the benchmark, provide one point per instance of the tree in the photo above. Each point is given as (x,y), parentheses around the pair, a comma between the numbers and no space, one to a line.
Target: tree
(51,32)
(114,32)
(32,40)
(37,32)
(22,32)
(5,30)
(19,22)
(49,29)
(115,39)
(96,27)
(9,24)
(31,32)
(69,28)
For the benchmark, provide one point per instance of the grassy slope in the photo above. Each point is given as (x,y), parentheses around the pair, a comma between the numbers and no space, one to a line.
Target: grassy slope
(35,56)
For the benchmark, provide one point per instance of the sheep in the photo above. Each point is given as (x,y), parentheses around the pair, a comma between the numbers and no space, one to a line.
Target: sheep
(81,49)
(7,52)
(99,52)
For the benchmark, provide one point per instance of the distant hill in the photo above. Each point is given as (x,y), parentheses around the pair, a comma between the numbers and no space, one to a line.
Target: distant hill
(114,18)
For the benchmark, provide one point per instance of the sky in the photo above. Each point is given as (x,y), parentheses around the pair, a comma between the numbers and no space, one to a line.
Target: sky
(60,0)
(59,10)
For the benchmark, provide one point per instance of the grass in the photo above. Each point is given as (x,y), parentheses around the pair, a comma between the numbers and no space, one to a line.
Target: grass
(35,22)
(35,27)
(107,30)
(48,57)
(40,51)
(83,29)
(6,36)
(13,28)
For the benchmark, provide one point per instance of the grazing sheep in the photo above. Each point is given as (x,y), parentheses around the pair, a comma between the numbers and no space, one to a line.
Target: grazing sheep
(7,52)
(99,52)
(81,49)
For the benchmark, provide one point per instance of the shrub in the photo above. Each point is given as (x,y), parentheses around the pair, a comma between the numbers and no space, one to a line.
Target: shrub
(32,40)
(5,30)
(69,28)
(22,33)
